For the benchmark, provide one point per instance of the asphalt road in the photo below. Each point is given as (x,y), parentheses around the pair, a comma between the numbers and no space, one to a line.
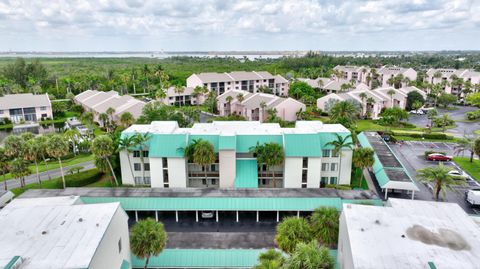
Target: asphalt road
(242,240)
(411,154)
(15,183)
(458,115)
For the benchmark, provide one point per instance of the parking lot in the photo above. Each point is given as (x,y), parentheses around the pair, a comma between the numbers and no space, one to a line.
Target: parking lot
(411,154)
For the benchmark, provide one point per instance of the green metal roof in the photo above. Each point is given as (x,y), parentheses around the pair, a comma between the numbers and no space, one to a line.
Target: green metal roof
(167,145)
(245,142)
(213,139)
(246,174)
(202,258)
(12,262)
(219,203)
(362,139)
(125,265)
(227,142)
(328,137)
(302,145)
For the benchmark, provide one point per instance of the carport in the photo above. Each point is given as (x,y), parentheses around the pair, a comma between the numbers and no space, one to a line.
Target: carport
(388,170)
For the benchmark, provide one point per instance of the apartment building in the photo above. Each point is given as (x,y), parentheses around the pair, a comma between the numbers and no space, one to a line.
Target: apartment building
(99,102)
(25,107)
(387,72)
(182,96)
(351,73)
(255,106)
(62,232)
(310,161)
(240,80)
(446,76)
(381,99)
(333,85)
(362,74)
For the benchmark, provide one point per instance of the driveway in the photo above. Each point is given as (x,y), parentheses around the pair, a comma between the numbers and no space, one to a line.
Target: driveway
(243,240)
(458,115)
(411,154)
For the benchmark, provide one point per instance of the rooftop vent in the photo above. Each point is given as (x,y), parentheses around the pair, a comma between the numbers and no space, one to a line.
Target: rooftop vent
(80,220)
(377,222)
(44,232)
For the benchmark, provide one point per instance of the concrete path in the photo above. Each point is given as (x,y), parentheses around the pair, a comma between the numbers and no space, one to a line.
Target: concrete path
(242,240)
(15,183)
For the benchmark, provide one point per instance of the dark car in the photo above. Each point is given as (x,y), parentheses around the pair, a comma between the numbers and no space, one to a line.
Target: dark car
(439,157)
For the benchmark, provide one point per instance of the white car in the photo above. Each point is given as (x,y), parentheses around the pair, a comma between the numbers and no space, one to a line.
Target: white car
(458,174)
(207,214)
(417,112)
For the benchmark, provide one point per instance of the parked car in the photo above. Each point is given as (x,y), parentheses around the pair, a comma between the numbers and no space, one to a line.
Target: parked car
(459,175)
(207,214)
(417,112)
(439,157)
(473,197)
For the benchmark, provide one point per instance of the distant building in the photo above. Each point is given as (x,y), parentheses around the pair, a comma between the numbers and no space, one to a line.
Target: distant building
(387,72)
(362,74)
(310,161)
(99,102)
(251,105)
(62,232)
(357,74)
(380,97)
(333,85)
(407,234)
(443,75)
(25,107)
(240,80)
(182,96)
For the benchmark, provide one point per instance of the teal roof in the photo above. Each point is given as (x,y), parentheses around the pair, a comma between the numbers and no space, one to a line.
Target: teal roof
(213,139)
(328,137)
(125,265)
(167,145)
(246,174)
(245,142)
(302,145)
(227,142)
(12,262)
(221,203)
(202,258)
(362,139)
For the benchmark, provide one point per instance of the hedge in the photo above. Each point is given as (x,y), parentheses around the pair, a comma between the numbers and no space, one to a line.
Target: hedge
(423,135)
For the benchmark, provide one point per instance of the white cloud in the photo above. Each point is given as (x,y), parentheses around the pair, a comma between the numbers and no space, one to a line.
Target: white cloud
(229,23)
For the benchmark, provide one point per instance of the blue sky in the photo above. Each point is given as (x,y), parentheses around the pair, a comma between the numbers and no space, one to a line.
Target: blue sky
(188,25)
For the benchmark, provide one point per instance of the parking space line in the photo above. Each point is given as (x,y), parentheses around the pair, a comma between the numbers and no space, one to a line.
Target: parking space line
(447,145)
(435,144)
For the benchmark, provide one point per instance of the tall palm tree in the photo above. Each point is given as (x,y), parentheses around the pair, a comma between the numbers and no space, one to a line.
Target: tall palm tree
(160,94)
(391,93)
(363,96)
(344,112)
(203,154)
(179,90)
(325,224)
(439,175)
(102,147)
(72,136)
(431,115)
(103,118)
(127,143)
(229,100)
(110,111)
(240,98)
(32,153)
(341,142)
(141,140)
(197,93)
(370,102)
(126,119)
(466,143)
(57,147)
(271,154)
(4,166)
(363,158)
(147,238)
(19,169)
(42,140)
(263,105)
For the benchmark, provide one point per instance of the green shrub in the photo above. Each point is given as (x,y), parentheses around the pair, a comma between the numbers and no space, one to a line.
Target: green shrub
(473,115)
(441,136)
(83,178)
(428,152)
(339,187)
(438,122)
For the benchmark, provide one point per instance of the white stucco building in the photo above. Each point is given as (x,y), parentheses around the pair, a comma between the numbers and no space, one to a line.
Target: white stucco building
(445,75)
(25,107)
(62,232)
(255,106)
(362,74)
(310,161)
(407,234)
(240,80)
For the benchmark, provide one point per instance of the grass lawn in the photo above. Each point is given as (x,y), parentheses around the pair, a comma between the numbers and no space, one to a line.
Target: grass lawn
(104,182)
(53,164)
(471,168)
(477,132)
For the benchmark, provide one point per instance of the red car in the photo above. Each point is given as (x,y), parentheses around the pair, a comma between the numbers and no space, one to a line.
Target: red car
(439,157)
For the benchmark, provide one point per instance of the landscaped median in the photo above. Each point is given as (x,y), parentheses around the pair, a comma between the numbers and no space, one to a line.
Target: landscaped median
(472,168)
(421,136)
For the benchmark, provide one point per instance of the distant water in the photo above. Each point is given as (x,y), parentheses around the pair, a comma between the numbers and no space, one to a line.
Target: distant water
(153,55)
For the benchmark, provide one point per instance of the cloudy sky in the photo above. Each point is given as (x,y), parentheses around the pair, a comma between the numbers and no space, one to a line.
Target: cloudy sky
(188,25)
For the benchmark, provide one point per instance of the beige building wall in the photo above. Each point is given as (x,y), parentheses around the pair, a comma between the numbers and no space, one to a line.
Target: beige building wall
(156,171)
(177,172)
(314,173)
(227,161)
(293,172)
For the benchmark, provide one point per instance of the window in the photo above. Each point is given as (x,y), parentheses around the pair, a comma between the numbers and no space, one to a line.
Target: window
(43,108)
(120,245)
(264,181)
(304,176)
(335,153)
(333,180)
(326,153)
(146,180)
(165,176)
(304,185)
(145,153)
(333,166)
(164,162)
(325,166)
(1,111)
(204,181)
(137,166)
(214,181)
(136,153)
(323,182)
(305,162)
(138,180)
(146,166)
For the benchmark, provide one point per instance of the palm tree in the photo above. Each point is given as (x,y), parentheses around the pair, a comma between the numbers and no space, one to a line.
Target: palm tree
(229,100)
(292,231)
(467,143)
(325,222)
(271,259)
(57,147)
(19,169)
(240,98)
(103,118)
(344,112)
(4,166)
(363,158)
(202,153)
(72,136)
(102,147)
(445,120)
(141,140)
(126,119)
(147,238)
(363,96)
(370,102)
(431,115)
(179,90)
(271,154)
(42,140)
(110,111)
(439,175)
(263,105)
(310,256)
(33,153)
(197,93)
(338,145)
(391,93)
(127,143)
(160,94)
(14,146)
